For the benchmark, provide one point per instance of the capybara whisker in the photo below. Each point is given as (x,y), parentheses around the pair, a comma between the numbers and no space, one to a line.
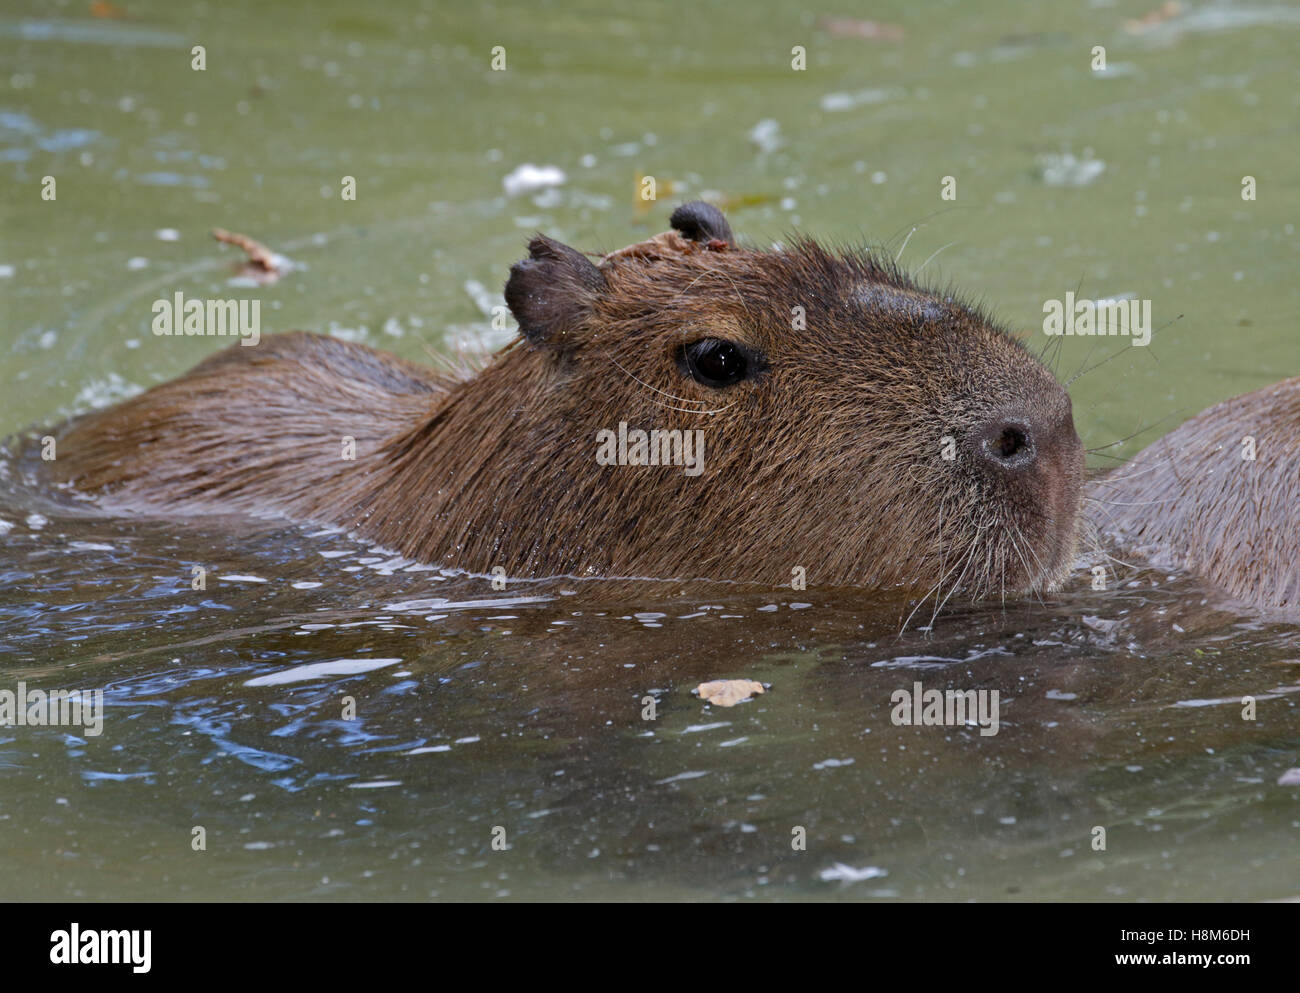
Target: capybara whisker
(934,255)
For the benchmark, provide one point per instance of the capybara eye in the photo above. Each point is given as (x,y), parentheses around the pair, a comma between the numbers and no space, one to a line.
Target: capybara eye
(713,362)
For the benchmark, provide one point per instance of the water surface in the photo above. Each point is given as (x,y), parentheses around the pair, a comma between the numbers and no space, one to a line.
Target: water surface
(522,709)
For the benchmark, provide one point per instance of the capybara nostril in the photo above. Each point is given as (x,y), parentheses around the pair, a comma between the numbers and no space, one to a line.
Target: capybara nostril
(1007,443)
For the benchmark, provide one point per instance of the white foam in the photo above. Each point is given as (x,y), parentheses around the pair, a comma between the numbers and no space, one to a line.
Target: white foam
(528,177)
(339,667)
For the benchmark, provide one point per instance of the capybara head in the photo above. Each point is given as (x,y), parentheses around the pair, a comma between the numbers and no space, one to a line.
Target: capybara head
(853,424)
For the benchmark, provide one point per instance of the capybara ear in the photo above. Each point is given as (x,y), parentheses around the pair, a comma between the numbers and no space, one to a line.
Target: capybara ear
(551,291)
(702,222)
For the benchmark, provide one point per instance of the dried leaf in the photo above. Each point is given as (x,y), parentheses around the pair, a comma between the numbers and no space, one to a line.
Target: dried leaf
(106,11)
(845,27)
(263,265)
(661,246)
(728,692)
(1165,12)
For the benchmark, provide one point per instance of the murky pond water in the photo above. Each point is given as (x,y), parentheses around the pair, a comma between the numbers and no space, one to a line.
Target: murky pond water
(342,725)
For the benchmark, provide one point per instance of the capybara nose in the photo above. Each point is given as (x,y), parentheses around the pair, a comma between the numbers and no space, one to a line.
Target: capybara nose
(1006,444)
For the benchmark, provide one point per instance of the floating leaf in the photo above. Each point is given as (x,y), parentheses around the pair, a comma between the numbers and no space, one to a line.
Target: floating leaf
(728,692)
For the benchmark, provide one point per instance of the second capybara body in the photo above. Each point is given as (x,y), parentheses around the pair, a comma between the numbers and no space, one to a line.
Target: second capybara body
(1218,496)
(801,409)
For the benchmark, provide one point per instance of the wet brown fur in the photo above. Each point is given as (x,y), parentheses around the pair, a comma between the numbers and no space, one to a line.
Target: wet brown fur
(1191,501)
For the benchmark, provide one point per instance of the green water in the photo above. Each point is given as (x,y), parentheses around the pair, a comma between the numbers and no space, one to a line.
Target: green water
(595,802)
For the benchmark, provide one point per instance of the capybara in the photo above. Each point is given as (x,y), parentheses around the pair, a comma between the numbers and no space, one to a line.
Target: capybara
(1218,496)
(687,407)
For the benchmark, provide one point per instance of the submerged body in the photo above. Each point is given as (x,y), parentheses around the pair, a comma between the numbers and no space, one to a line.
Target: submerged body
(1218,496)
(853,425)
